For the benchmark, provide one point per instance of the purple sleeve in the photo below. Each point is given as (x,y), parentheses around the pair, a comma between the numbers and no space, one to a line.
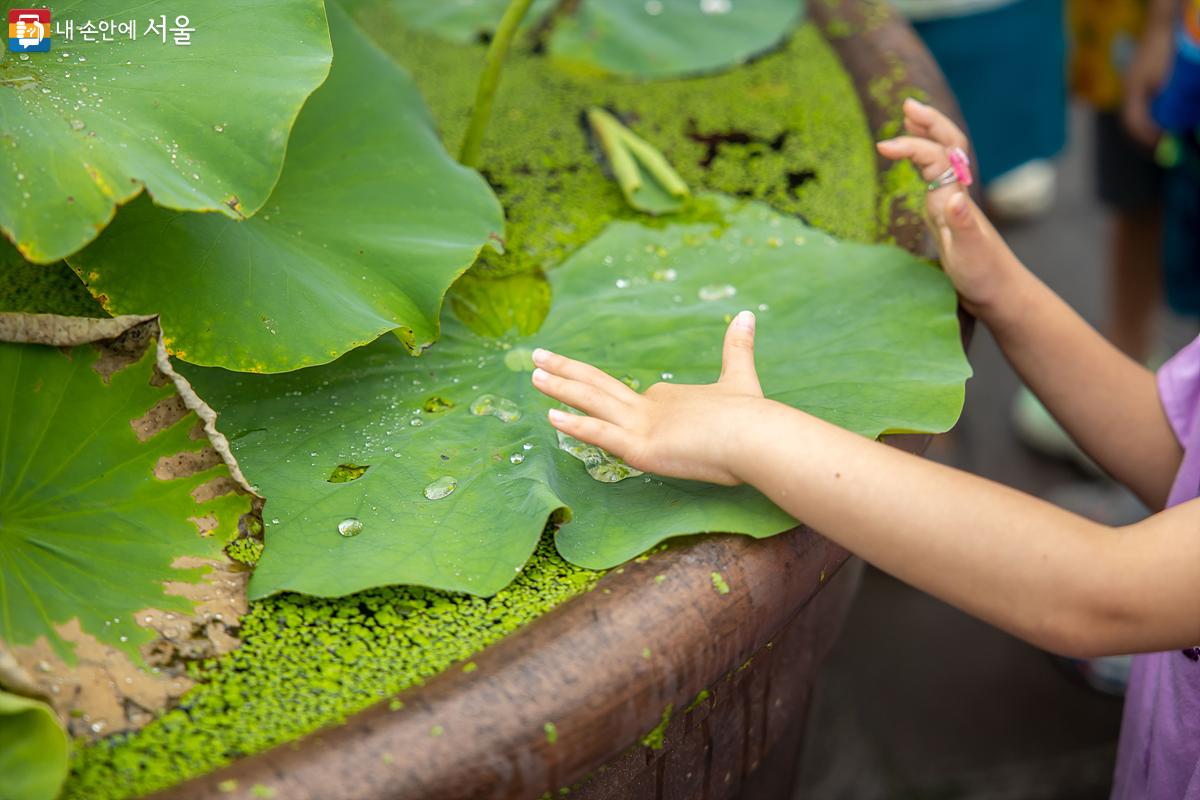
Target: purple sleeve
(1179,390)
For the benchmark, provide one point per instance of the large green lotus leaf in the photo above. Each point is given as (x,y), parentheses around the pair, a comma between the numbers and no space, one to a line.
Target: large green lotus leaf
(203,127)
(370,223)
(33,750)
(88,532)
(462,21)
(670,38)
(863,335)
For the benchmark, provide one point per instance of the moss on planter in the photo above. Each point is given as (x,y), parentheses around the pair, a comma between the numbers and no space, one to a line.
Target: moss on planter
(786,129)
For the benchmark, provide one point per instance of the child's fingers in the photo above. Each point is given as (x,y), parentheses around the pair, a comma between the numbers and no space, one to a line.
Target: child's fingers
(928,121)
(577,394)
(591,430)
(929,156)
(737,356)
(579,371)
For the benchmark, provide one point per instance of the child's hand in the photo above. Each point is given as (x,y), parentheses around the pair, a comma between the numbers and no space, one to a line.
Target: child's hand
(973,254)
(1147,73)
(671,429)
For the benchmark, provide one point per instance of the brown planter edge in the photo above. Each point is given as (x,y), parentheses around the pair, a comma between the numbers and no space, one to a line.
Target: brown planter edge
(602,667)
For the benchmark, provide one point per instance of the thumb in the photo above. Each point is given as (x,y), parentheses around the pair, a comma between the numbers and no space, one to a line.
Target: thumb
(960,211)
(737,357)
(958,225)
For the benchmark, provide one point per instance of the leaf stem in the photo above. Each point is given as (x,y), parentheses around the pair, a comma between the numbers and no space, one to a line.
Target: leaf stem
(490,79)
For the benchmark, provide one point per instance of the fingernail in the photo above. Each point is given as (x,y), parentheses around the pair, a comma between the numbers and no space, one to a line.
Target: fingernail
(744,320)
(539,375)
(915,102)
(540,355)
(556,415)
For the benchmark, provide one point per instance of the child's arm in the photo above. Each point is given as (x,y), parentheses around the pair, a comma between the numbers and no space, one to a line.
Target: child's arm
(1055,579)
(1106,401)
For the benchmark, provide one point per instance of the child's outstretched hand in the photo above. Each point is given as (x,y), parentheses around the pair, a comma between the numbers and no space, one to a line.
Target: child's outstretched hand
(973,254)
(670,429)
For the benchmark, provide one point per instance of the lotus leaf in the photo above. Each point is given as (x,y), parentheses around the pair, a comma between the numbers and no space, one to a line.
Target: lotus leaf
(462,21)
(370,223)
(670,38)
(202,126)
(462,470)
(33,750)
(114,512)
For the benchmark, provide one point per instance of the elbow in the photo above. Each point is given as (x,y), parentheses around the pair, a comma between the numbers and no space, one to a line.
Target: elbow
(1092,618)
(1076,640)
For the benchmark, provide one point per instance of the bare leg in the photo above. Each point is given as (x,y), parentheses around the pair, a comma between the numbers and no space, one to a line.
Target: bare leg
(1135,284)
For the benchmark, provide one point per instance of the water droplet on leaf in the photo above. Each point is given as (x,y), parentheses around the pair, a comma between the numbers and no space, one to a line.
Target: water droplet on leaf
(716,291)
(519,359)
(600,464)
(350,526)
(440,488)
(501,408)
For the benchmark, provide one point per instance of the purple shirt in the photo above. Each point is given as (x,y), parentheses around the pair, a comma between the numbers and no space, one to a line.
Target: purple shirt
(1159,756)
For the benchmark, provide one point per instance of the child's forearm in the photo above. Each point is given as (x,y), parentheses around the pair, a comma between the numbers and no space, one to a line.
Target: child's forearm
(1105,400)
(1043,574)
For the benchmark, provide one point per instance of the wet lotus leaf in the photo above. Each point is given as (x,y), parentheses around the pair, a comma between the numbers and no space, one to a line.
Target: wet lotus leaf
(203,127)
(670,38)
(370,223)
(115,512)
(462,21)
(865,336)
(33,750)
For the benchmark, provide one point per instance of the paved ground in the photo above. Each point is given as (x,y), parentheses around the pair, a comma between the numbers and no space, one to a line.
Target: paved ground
(920,701)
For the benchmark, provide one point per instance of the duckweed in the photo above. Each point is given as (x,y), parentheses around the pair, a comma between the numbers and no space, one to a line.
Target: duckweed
(307,662)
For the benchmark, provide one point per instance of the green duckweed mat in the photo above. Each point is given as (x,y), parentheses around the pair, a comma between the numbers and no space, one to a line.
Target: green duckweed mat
(786,129)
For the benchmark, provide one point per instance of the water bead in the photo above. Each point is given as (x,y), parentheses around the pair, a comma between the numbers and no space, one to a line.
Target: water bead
(350,526)
(601,465)
(519,359)
(440,488)
(717,291)
(516,458)
(501,408)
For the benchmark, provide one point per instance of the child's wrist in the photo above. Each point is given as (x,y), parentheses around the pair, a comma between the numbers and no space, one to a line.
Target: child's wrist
(750,436)
(1007,304)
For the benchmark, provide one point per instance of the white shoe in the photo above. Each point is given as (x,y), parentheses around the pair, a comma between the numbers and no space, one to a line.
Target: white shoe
(1040,431)
(1023,192)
